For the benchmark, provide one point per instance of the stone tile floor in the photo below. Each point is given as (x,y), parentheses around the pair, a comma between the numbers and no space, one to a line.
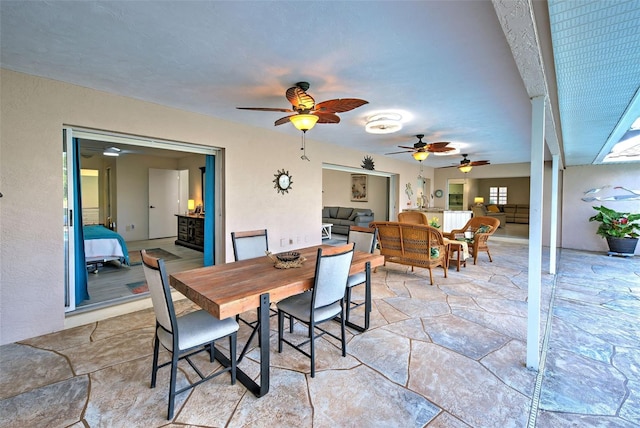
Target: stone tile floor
(448,355)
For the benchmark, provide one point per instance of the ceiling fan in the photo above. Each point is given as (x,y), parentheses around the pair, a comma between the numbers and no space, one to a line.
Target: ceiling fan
(307,112)
(465,164)
(421,149)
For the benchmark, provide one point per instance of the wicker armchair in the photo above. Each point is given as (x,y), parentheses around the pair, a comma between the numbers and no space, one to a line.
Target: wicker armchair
(412,245)
(479,242)
(413,217)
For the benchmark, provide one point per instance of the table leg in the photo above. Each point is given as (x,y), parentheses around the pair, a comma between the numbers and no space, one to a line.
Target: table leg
(243,378)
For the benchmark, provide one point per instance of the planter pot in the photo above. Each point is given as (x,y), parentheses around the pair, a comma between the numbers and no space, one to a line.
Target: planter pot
(625,246)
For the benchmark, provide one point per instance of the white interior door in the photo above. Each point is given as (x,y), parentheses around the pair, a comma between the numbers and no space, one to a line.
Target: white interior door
(164,202)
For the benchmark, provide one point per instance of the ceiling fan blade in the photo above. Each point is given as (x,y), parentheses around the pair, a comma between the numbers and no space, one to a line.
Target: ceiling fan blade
(339,105)
(439,150)
(395,153)
(283,120)
(439,147)
(299,99)
(283,110)
(327,117)
(479,163)
(411,148)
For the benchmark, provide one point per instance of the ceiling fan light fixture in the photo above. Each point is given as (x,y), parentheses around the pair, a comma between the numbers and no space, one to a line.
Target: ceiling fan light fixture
(420,156)
(304,122)
(465,168)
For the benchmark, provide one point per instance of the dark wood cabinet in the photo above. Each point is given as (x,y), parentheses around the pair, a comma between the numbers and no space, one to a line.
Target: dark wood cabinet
(191,231)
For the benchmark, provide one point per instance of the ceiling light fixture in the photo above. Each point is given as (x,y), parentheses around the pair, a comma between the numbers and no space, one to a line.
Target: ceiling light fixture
(304,122)
(383,123)
(420,155)
(465,168)
(111,151)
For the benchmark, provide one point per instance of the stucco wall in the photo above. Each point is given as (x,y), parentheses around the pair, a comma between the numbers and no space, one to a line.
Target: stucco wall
(33,112)
(578,232)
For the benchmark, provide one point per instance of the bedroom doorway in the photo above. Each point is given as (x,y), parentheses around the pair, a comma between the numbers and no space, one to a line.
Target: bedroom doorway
(123,205)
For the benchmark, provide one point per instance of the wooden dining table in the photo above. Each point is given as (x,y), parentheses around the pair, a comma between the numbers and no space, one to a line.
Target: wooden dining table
(229,289)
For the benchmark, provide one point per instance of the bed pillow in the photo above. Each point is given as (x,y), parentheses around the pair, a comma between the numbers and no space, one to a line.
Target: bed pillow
(493,209)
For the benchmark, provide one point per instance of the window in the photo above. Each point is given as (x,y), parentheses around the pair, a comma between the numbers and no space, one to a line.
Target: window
(498,195)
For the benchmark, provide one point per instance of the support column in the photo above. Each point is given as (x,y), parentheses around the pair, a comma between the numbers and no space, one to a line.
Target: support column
(553,226)
(535,231)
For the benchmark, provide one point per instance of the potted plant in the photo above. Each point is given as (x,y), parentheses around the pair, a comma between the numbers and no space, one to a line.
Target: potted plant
(620,229)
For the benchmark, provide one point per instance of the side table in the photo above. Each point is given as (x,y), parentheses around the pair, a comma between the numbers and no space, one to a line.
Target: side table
(326,230)
(462,250)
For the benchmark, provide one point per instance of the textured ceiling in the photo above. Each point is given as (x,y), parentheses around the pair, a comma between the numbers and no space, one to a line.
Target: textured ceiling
(596,45)
(446,65)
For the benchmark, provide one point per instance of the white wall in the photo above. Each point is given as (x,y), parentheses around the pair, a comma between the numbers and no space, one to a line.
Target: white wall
(578,232)
(336,192)
(33,112)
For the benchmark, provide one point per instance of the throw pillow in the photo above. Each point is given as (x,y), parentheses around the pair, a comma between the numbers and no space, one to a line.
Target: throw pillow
(435,253)
(493,209)
(361,213)
(484,229)
(353,215)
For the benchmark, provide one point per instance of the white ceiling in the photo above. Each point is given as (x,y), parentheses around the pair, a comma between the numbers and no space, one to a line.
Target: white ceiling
(446,65)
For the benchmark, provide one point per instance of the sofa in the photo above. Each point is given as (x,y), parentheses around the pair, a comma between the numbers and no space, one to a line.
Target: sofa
(344,217)
(516,213)
(507,213)
(413,245)
(482,211)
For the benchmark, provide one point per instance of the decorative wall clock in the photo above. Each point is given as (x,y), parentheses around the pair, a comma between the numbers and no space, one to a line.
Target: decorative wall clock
(282,181)
(438,193)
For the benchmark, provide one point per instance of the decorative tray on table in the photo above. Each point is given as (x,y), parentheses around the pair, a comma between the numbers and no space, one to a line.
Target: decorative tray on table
(287,260)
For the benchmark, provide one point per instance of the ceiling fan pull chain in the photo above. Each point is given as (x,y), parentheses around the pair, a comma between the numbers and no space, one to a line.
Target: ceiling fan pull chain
(304,148)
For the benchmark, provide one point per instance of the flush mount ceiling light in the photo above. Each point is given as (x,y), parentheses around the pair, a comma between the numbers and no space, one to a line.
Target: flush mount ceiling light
(111,151)
(383,123)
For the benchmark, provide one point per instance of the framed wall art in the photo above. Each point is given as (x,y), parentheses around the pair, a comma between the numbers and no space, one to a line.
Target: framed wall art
(359,187)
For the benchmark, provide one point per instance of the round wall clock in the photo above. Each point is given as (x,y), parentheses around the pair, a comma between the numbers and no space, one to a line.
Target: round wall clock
(438,193)
(283,181)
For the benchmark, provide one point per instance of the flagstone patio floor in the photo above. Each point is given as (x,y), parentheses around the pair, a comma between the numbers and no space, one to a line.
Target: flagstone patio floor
(448,355)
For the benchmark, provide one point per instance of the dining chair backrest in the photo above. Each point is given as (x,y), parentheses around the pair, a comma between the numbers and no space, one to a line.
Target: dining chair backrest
(332,271)
(156,276)
(364,238)
(249,244)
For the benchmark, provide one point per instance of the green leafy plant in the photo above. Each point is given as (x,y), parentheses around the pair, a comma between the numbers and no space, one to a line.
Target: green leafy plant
(616,224)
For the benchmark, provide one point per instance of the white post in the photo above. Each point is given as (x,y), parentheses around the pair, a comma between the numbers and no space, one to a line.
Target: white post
(535,231)
(553,226)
